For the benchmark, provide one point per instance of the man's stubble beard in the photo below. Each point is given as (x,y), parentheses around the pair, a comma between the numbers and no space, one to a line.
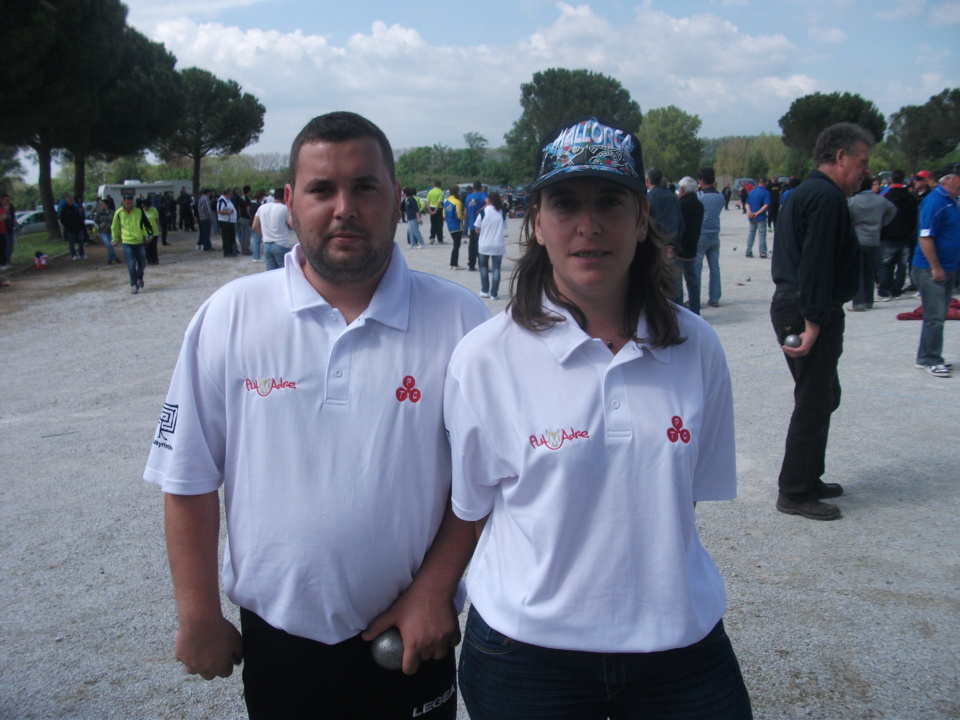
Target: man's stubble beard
(356,269)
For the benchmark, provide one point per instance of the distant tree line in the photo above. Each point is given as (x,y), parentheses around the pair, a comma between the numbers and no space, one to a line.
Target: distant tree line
(84,85)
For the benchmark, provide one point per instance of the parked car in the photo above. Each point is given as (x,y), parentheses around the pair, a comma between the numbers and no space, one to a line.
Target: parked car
(31,221)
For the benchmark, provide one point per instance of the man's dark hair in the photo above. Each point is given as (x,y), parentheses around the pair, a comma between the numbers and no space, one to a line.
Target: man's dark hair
(897,177)
(338,127)
(436,183)
(477,186)
(842,136)
(246,189)
(655,176)
(707,176)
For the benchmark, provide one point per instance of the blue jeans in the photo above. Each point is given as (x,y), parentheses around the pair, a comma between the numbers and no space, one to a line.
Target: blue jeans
(414,237)
(692,280)
(136,256)
(243,236)
(74,239)
(489,281)
(257,240)
(107,240)
(504,679)
(273,255)
(754,226)
(709,247)
(936,299)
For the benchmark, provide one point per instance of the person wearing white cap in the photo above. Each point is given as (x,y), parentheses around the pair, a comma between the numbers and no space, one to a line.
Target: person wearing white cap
(585,422)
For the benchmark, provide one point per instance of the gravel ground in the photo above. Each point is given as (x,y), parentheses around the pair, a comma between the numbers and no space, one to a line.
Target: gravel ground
(851,619)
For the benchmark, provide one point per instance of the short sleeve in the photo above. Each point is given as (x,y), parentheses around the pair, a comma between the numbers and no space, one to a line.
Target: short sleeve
(188,447)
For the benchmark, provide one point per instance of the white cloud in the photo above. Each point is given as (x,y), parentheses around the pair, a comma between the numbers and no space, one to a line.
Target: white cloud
(827,35)
(946,13)
(902,10)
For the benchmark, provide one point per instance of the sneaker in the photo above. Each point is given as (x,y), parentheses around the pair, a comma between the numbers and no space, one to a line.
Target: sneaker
(749,254)
(713,304)
(811,509)
(134,289)
(763,256)
(858,308)
(885,298)
(940,371)
(4,267)
(494,297)
(74,257)
(140,282)
(484,294)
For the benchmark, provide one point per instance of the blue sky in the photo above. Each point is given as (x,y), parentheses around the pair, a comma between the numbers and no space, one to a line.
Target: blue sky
(429,72)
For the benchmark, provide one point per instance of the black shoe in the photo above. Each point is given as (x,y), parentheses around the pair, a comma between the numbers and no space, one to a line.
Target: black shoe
(812,509)
(825,491)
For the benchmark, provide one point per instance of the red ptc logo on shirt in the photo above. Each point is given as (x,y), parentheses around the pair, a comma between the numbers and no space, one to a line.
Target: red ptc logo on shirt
(408,390)
(678,431)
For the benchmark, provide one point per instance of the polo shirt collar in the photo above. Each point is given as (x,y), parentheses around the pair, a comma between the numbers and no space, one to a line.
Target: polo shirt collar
(563,338)
(390,304)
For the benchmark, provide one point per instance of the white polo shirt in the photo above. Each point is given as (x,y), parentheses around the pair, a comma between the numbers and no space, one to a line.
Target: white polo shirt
(273,224)
(589,466)
(328,440)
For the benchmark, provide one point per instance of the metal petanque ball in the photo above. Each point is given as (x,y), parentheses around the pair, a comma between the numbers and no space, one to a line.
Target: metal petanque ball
(387,649)
(792,341)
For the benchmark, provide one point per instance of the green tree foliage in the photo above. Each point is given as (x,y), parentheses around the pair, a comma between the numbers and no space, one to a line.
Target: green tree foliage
(559,95)
(924,134)
(10,168)
(216,119)
(669,140)
(809,115)
(148,80)
(58,63)
(757,165)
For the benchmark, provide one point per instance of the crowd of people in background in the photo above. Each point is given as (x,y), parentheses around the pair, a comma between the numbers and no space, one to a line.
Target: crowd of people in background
(886,216)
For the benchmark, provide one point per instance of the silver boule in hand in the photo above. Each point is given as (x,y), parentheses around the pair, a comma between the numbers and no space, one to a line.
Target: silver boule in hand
(792,341)
(387,649)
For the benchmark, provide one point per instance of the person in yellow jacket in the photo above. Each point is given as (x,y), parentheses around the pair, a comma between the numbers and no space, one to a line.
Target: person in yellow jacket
(129,225)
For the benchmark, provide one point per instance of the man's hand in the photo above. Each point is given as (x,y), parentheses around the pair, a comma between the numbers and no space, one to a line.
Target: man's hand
(427,623)
(938,274)
(209,649)
(807,338)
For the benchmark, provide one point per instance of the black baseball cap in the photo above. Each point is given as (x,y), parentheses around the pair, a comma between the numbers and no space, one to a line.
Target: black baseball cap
(590,147)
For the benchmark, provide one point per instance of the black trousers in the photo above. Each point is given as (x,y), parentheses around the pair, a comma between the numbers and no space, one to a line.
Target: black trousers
(286,677)
(228,234)
(816,395)
(150,247)
(472,246)
(455,252)
(436,226)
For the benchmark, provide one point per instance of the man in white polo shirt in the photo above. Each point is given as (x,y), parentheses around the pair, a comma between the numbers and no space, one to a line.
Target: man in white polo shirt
(271,221)
(313,396)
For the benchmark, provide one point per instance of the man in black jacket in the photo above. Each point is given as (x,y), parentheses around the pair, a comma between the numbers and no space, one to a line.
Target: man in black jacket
(691,210)
(816,269)
(71,217)
(897,240)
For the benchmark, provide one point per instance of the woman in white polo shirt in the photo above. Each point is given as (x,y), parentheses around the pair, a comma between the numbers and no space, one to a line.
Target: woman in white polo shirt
(585,423)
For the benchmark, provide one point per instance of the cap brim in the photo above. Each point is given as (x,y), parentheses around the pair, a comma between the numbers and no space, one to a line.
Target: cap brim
(575,172)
